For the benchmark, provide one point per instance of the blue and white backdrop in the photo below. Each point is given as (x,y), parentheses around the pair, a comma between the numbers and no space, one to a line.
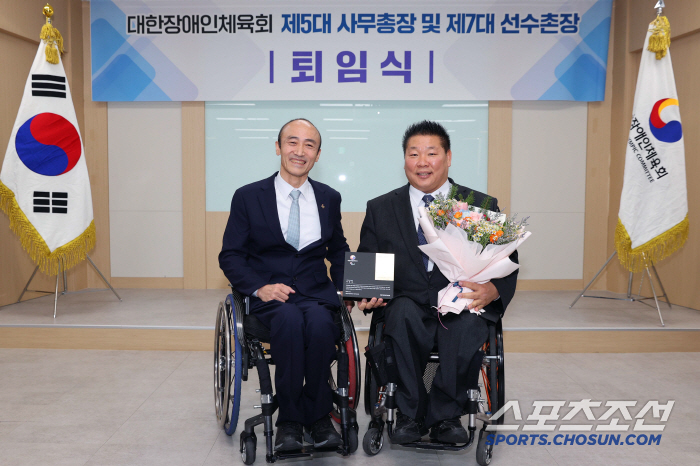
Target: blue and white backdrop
(223,50)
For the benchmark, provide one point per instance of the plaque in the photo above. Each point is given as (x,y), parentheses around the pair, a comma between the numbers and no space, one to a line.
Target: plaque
(368,275)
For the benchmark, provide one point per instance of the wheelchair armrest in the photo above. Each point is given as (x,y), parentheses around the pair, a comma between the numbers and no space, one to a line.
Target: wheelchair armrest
(340,298)
(246,298)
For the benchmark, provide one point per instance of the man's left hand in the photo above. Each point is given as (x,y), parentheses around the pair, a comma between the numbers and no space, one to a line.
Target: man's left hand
(482,295)
(349,303)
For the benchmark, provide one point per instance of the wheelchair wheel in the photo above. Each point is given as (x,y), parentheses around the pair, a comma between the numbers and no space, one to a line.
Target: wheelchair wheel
(353,441)
(248,447)
(354,369)
(494,405)
(222,348)
(483,451)
(227,367)
(373,441)
(233,307)
(371,388)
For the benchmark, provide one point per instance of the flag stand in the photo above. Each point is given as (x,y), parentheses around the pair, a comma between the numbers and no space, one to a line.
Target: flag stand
(62,271)
(630,297)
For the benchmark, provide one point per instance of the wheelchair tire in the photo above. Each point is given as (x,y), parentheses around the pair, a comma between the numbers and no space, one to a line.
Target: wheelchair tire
(354,366)
(234,367)
(483,452)
(248,447)
(373,441)
(353,441)
(222,348)
(500,374)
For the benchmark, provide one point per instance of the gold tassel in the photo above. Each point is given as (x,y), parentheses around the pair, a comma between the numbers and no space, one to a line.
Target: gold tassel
(637,259)
(660,39)
(70,254)
(51,53)
(52,38)
(59,41)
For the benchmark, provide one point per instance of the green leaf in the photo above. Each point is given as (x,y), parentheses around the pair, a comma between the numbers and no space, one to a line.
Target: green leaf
(470,198)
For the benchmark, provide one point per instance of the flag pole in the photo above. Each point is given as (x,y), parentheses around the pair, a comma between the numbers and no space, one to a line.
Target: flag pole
(639,298)
(62,271)
(660,47)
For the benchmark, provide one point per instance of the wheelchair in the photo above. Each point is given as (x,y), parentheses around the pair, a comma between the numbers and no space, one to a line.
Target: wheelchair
(487,399)
(238,347)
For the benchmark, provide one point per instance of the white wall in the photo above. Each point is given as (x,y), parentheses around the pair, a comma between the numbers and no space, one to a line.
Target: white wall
(145,189)
(145,173)
(548,183)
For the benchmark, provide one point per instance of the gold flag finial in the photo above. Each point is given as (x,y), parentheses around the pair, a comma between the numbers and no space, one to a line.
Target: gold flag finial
(48,11)
(50,35)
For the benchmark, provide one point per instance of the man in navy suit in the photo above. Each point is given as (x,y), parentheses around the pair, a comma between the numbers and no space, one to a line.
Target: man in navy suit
(278,234)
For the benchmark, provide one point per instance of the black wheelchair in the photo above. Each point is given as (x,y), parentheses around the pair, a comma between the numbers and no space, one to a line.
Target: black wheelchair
(487,399)
(239,347)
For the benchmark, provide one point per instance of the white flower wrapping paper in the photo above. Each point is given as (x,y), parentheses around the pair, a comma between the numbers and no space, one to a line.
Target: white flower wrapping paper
(462,260)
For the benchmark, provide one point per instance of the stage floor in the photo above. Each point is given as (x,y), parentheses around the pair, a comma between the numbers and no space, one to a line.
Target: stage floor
(196,309)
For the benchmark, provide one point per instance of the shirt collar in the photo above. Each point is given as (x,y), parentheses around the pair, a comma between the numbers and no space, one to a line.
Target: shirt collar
(417,196)
(285,188)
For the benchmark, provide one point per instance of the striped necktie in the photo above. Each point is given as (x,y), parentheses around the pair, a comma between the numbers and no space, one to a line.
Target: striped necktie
(293,225)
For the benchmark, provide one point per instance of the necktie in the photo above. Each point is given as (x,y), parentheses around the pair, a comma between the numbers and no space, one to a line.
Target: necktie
(421,236)
(293,225)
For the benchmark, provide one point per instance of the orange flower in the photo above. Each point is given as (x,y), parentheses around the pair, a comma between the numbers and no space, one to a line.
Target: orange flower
(499,233)
(441,212)
(458,214)
(493,238)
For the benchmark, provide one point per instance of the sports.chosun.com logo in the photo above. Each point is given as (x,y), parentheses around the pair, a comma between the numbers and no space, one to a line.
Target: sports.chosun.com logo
(612,422)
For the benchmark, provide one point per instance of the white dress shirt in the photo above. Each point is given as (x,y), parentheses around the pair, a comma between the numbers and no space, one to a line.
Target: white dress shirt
(416,197)
(309,221)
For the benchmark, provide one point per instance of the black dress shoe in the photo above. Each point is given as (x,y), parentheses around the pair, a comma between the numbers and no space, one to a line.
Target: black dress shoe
(449,431)
(407,430)
(289,436)
(324,434)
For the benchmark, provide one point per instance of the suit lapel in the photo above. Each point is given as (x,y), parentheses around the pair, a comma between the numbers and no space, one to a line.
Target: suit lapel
(322,204)
(407,227)
(268,206)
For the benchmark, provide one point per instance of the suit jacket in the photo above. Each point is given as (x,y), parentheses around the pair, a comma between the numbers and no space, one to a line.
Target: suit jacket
(255,253)
(389,228)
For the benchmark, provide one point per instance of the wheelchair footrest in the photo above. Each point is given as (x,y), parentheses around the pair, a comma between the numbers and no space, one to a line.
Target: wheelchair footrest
(435,445)
(304,452)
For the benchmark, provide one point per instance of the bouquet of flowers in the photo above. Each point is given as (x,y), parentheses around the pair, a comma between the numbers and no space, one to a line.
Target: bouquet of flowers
(469,243)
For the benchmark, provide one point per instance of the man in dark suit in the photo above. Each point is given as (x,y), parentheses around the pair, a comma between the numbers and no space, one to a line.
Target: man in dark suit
(412,325)
(278,234)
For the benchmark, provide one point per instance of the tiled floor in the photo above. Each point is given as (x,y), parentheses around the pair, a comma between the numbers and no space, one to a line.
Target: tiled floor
(87,407)
(90,407)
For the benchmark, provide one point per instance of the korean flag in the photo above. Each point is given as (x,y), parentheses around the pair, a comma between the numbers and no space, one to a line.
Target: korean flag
(44,184)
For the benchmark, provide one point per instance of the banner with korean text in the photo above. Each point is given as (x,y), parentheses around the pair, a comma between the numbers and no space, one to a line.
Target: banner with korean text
(183,50)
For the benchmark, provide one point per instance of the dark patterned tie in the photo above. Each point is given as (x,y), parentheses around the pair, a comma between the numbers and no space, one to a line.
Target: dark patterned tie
(421,236)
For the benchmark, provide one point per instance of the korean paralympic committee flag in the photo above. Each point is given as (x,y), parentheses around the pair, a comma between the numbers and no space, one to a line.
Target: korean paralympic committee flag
(44,184)
(653,218)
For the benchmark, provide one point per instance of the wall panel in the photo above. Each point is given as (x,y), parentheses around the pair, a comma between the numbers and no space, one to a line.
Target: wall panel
(145,174)
(548,184)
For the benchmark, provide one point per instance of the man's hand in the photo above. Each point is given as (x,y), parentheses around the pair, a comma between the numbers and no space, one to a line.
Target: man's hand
(278,291)
(482,295)
(349,304)
(371,304)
